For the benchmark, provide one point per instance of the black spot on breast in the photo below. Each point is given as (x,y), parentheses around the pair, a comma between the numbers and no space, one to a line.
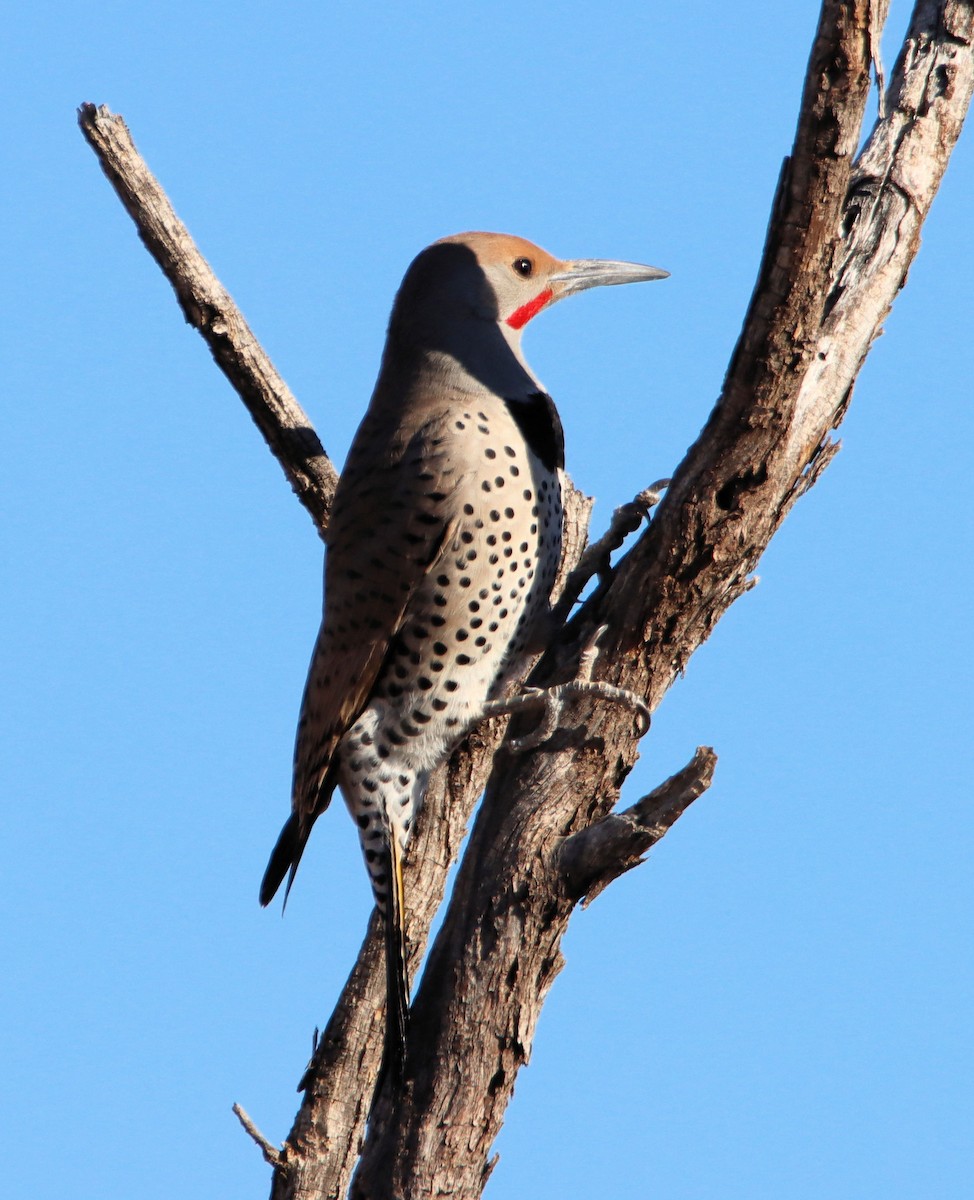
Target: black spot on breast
(540,426)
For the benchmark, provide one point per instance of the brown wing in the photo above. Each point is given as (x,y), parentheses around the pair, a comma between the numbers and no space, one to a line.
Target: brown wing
(392,515)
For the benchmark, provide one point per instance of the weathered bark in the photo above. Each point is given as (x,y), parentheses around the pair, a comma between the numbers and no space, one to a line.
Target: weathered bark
(842,235)
(208,307)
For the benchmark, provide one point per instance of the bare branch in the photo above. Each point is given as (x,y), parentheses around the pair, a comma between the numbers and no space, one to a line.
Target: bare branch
(270,1152)
(596,559)
(835,258)
(879,9)
(209,308)
(593,857)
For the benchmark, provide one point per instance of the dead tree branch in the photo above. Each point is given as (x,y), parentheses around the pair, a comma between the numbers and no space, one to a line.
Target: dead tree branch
(271,1153)
(208,307)
(601,852)
(842,235)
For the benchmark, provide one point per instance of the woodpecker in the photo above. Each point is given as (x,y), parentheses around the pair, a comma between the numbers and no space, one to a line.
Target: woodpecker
(442,549)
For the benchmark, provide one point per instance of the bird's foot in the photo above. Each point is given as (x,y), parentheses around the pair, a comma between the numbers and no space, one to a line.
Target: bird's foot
(552,700)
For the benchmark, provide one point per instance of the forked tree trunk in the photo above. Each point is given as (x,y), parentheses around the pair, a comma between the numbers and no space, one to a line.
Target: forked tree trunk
(843,232)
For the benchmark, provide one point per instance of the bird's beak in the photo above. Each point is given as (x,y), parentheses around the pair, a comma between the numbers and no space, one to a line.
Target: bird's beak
(577,274)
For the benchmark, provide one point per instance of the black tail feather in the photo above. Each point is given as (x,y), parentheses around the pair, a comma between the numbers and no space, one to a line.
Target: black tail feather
(397,979)
(284,858)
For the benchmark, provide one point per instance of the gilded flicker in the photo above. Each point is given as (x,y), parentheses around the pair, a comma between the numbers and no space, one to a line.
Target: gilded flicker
(442,549)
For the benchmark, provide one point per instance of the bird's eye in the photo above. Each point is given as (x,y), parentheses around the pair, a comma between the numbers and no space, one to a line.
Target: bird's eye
(523,266)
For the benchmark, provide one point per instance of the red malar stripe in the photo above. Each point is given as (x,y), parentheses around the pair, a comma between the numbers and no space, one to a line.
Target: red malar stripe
(520,317)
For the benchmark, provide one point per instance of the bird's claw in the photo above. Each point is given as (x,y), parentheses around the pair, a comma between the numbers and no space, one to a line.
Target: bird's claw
(553,700)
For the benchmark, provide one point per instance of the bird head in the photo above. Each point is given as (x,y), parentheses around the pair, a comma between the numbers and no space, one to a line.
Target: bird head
(499,278)
(470,296)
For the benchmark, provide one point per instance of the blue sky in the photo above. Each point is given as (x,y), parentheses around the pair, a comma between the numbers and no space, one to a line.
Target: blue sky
(778,1003)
